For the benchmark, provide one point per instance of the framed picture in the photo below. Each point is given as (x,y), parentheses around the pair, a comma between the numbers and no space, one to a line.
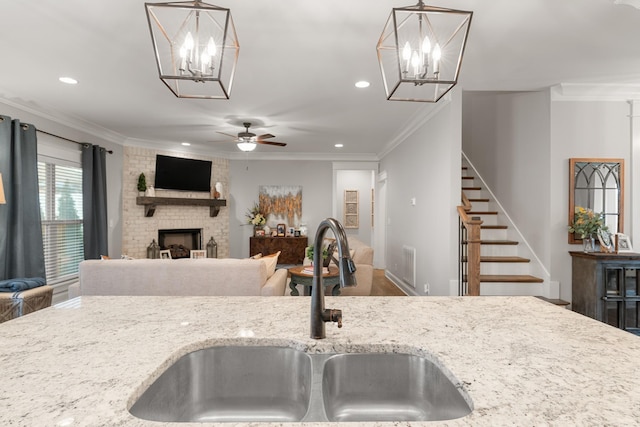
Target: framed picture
(198,253)
(296,233)
(606,242)
(259,233)
(623,243)
(165,254)
(281,230)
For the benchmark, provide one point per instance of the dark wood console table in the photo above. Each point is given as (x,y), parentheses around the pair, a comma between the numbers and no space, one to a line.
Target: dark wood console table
(292,249)
(606,287)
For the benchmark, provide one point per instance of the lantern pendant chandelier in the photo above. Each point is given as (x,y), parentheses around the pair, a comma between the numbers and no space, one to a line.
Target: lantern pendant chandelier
(196,48)
(420,51)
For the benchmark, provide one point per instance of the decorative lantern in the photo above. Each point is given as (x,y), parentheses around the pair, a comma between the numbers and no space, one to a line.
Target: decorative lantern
(153,250)
(212,248)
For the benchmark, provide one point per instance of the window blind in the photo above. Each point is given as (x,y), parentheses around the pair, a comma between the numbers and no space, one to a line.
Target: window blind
(60,192)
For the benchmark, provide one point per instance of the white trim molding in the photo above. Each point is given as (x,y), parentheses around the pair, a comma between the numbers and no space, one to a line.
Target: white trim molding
(595,92)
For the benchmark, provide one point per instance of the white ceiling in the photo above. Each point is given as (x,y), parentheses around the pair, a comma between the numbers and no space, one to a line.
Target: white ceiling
(299,60)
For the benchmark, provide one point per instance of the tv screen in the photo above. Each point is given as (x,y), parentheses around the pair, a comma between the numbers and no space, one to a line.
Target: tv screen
(175,173)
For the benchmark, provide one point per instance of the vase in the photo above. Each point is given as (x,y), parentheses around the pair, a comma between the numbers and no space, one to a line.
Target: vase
(589,243)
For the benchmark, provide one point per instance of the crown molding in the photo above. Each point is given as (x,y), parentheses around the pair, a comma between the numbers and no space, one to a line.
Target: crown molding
(595,92)
(74,123)
(632,3)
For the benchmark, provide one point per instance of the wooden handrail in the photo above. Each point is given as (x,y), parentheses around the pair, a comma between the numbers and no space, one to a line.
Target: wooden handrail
(472,225)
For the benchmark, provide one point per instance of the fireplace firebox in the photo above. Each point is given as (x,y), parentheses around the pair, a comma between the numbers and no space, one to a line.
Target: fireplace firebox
(180,241)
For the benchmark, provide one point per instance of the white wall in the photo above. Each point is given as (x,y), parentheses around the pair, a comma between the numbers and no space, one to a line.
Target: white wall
(245,176)
(360,180)
(426,166)
(506,137)
(582,129)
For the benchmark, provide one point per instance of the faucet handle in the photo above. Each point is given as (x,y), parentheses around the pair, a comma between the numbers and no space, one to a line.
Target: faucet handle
(334,316)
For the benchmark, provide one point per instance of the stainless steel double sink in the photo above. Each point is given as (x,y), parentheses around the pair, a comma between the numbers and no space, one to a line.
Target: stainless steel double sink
(281,384)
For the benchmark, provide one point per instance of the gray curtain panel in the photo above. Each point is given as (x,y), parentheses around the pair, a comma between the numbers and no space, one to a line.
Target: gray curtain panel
(21,248)
(94,201)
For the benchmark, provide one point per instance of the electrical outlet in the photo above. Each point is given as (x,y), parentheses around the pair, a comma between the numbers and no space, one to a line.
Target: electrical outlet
(426,288)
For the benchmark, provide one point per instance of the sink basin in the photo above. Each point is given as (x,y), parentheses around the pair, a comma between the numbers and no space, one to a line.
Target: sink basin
(232,383)
(388,387)
(280,384)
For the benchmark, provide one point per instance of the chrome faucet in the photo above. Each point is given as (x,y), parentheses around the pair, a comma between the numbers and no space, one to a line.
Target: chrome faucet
(320,315)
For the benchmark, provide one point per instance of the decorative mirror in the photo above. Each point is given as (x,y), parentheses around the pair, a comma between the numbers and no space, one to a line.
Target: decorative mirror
(597,184)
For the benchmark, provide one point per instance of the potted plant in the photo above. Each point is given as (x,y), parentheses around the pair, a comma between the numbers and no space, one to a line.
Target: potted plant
(326,259)
(256,218)
(586,223)
(142,184)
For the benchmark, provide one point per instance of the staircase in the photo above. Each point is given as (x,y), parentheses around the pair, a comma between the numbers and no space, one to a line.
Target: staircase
(503,269)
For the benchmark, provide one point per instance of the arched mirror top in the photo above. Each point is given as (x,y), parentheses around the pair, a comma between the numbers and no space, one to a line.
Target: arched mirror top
(597,184)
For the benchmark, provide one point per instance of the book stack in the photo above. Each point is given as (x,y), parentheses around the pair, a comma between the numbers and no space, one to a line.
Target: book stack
(309,270)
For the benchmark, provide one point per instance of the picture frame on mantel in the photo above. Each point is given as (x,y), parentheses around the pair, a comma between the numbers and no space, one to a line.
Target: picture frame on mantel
(282,230)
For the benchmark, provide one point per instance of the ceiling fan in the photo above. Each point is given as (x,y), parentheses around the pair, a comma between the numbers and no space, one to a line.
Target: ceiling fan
(247,141)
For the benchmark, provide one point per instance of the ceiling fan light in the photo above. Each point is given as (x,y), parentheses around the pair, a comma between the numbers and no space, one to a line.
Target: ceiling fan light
(246,146)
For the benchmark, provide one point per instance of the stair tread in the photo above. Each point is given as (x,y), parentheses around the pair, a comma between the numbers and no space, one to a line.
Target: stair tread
(495,242)
(468,177)
(502,259)
(482,213)
(479,200)
(555,301)
(472,188)
(508,278)
(493,227)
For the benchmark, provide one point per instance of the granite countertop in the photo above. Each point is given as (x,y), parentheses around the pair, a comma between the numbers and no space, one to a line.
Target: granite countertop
(522,361)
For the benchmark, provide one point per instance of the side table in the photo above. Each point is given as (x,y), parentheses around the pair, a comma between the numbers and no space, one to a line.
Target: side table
(299,277)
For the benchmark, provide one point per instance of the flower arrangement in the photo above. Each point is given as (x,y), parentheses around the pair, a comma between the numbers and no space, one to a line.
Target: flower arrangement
(255,217)
(586,222)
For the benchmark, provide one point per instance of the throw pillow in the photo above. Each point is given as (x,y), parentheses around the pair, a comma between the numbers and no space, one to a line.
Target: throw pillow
(271,261)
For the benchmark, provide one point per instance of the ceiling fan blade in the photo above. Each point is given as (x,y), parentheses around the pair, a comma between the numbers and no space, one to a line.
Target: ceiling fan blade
(228,134)
(279,144)
(265,136)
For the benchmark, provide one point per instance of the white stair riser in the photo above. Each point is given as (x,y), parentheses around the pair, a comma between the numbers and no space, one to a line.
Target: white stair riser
(491,234)
(480,206)
(492,289)
(501,268)
(474,194)
(498,250)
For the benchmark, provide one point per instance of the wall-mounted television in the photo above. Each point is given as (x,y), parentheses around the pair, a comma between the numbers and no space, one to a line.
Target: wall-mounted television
(175,173)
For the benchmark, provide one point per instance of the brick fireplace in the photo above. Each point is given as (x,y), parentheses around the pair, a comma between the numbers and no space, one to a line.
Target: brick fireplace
(138,231)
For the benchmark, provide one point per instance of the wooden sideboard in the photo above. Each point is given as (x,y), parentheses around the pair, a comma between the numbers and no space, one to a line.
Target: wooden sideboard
(292,249)
(606,287)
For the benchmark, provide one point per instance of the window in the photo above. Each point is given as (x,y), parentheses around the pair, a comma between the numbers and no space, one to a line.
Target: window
(60,192)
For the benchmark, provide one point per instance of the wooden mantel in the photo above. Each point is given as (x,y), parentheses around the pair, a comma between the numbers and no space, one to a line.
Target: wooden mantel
(150,203)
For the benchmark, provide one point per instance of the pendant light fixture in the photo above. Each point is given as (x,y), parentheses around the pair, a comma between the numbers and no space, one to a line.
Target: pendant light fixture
(420,51)
(196,48)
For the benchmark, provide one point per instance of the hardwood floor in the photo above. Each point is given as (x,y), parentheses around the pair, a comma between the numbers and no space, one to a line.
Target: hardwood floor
(383,286)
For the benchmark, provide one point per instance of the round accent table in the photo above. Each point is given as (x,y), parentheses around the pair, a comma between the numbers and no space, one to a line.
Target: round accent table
(299,277)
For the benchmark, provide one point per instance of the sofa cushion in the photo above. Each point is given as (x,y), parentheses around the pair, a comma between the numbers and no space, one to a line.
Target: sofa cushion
(271,261)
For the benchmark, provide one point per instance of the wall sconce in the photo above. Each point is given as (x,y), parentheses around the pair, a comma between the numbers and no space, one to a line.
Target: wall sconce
(420,51)
(196,48)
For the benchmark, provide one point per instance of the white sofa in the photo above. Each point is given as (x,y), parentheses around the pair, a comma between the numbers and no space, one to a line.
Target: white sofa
(190,277)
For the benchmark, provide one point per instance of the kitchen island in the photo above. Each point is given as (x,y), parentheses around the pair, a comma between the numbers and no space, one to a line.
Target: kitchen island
(522,361)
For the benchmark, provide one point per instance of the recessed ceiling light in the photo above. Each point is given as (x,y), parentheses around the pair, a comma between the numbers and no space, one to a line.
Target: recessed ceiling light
(339,145)
(68,80)
(186,144)
(362,84)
